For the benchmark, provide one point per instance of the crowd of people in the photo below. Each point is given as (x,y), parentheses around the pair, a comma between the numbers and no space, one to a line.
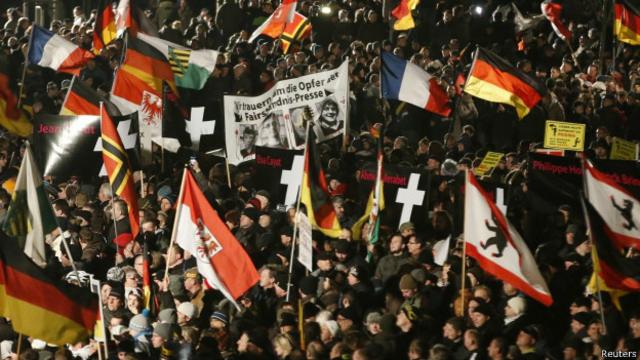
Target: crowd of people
(362,301)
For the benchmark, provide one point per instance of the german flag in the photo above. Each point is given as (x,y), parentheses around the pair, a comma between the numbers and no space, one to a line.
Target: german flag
(147,286)
(104,31)
(11,117)
(39,306)
(295,31)
(118,167)
(83,100)
(626,22)
(613,267)
(315,194)
(402,14)
(143,69)
(493,79)
(148,64)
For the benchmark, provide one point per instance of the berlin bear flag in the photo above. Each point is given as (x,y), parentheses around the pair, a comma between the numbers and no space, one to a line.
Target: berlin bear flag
(220,257)
(496,245)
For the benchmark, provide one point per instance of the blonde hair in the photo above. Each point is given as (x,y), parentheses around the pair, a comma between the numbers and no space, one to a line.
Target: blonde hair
(285,342)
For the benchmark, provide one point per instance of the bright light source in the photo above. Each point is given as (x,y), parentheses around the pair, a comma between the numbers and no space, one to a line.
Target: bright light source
(478,10)
(325,9)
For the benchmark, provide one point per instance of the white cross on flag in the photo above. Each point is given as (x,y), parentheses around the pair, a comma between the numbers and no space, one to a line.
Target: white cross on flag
(496,245)
(220,257)
(410,197)
(618,208)
(291,178)
(196,126)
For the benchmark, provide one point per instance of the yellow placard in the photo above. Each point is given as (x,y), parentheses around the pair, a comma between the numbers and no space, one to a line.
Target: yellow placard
(564,135)
(622,149)
(490,160)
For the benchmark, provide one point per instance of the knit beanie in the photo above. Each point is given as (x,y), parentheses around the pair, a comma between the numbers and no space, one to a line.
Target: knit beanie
(407,282)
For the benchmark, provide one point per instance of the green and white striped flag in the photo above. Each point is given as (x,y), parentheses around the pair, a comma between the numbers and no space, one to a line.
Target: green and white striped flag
(191,68)
(30,216)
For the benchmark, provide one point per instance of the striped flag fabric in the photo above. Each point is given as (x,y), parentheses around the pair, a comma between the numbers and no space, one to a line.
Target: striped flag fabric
(83,100)
(104,31)
(147,286)
(191,68)
(295,31)
(30,216)
(497,246)
(53,51)
(613,267)
(11,117)
(143,71)
(552,10)
(404,81)
(277,22)
(493,79)
(315,194)
(402,14)
(375,205)
(116,162)
(220,257)
(626,22)
(40,306)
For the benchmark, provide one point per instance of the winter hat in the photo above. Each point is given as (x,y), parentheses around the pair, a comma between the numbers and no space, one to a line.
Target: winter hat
(517,304)
(407,282)
(163,330)
(309,285)
(349,314)
(255,203)
(220,316)
(168,316)
(115,274)
(483,309)
(139,323)
(583,318)
(373,317)
(251,213)
(164,191)
(188,309)
(332,326)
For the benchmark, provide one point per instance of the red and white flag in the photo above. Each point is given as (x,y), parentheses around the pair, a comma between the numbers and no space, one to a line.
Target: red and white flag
(619,209)
(552,10)
(497,246)
(274,26)
(220,257)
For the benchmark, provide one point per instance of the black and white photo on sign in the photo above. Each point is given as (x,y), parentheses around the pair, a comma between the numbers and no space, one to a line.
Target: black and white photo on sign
(329,119)
(247,137)
(297,125)
(272,131)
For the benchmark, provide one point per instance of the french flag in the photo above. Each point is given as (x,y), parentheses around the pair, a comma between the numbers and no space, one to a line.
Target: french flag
(404,81)
(53,51)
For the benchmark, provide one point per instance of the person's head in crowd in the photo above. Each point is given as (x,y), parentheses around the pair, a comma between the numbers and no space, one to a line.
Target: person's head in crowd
(161,335)
(283,345)
(396,244)
(254,342)
(192,281)
(267,278)
(218,320)
(579,322)
(372,322)
(408,286)
(527,339)
(416,247)
(453,329)
(114,300)
(341,250)
(249,217)
(347,318)
(134,301)
(498,348)
(186,312)
(516,307)
(483,292)
(471,340)
(481,315)
(407,318)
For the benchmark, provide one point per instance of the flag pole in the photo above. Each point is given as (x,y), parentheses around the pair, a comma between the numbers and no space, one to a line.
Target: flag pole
(142,184)
(594,254)
(301,324)
(24,69)
(464,253)
(101,311)
(19,345)
(295,220)
(226,164)
(175,223)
